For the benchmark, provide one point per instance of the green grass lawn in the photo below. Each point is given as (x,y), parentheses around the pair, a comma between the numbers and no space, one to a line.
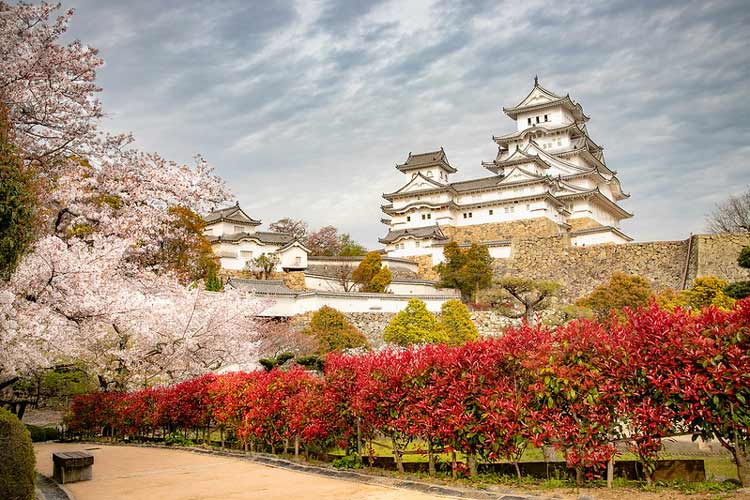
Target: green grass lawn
(720,466)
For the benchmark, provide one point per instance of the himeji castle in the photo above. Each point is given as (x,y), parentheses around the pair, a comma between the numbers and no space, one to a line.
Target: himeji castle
(548,178)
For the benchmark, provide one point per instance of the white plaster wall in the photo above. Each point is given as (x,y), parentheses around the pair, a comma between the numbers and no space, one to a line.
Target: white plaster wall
(327,284)
(290,256)
(350,302)
(500,252)
(597,239)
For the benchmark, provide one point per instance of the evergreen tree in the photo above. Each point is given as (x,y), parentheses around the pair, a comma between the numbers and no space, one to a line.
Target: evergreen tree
(414,325)
(456,323)
(18,203)
(623,290)
(333,332)
(467,271)
(370,275)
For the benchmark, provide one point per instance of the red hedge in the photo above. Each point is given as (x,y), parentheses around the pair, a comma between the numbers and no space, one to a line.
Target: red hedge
(578,387)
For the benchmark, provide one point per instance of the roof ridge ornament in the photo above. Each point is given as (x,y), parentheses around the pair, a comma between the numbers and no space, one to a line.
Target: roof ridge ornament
(536,80)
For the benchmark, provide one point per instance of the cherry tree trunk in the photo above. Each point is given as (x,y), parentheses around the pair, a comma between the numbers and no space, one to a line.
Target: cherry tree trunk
(453,464)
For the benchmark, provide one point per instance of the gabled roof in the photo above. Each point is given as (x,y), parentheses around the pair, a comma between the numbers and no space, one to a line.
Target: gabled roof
(599,196)
(429,232)
(540,98)
(424,160)
(265,237)
(294,243)
(232,214)
(418,177)
(527,176)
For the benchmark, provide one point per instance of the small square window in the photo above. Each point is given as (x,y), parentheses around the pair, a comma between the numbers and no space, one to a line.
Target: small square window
(423,217)
(470,214)
(529,120)
(545,118)
(429,216)
(417,244)
(408,218)
(491,211)
(537,119)
(464,215)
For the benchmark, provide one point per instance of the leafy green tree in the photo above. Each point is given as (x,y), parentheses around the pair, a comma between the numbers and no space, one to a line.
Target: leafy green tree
(381,280)
(456,322)
(370,275)
(521,297)
(623,290)
(415,325)
(349,247)
(263,265)
(183,248)
(467,271)
(213,282)
(333,332)
(18,203)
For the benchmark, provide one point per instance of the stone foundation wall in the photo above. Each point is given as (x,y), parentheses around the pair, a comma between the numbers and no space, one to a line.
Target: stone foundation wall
(666,264)
(425,270)
(582,223)
(502,230)
(716,255)
(294,280)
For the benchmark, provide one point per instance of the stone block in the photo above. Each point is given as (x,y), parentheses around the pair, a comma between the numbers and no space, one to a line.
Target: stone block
(72,466)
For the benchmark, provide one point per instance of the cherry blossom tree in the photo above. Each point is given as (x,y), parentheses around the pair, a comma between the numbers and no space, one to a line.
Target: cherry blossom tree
(83,290)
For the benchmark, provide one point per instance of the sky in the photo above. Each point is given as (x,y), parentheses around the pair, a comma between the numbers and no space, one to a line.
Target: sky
(304,108)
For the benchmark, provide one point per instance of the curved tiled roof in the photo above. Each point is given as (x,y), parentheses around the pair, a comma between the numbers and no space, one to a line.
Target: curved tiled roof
(267,237)
(429,159)
(429,232)
(231,214)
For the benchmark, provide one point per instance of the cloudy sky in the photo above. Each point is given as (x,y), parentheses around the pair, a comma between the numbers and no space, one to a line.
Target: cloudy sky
(305,108)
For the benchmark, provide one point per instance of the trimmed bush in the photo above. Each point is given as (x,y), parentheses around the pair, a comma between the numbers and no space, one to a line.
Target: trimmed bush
(334,332)
(40,434)
(414,325)
(17,460)
(456,322)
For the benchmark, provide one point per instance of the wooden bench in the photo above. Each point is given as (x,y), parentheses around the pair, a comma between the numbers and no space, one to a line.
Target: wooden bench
(72,466)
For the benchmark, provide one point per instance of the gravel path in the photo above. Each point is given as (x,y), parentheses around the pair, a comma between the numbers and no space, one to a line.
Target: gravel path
(123,472)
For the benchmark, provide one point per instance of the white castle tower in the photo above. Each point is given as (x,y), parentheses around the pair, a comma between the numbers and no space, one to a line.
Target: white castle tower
(549,177)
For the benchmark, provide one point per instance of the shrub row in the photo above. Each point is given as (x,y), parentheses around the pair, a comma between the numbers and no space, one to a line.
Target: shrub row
(581,388)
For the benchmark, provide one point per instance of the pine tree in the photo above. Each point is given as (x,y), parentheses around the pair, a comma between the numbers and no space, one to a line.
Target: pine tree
(456,323)
(414,325)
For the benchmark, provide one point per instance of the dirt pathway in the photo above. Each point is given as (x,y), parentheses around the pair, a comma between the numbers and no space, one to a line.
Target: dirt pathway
(122,472)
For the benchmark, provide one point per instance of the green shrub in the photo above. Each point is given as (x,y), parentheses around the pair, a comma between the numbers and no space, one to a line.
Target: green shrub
(456,322)
(414,325)
(40,434)
(334,332)
(348,462)
(177,439)
(738,290)
(17,460)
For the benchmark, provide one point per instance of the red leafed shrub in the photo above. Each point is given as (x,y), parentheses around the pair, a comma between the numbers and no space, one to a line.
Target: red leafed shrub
(580,387)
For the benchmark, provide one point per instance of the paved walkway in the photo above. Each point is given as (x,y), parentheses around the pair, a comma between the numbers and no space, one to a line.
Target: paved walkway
(124,472)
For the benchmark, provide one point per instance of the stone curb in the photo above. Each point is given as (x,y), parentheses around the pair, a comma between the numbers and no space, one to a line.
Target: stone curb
(346,475)
(48,489)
